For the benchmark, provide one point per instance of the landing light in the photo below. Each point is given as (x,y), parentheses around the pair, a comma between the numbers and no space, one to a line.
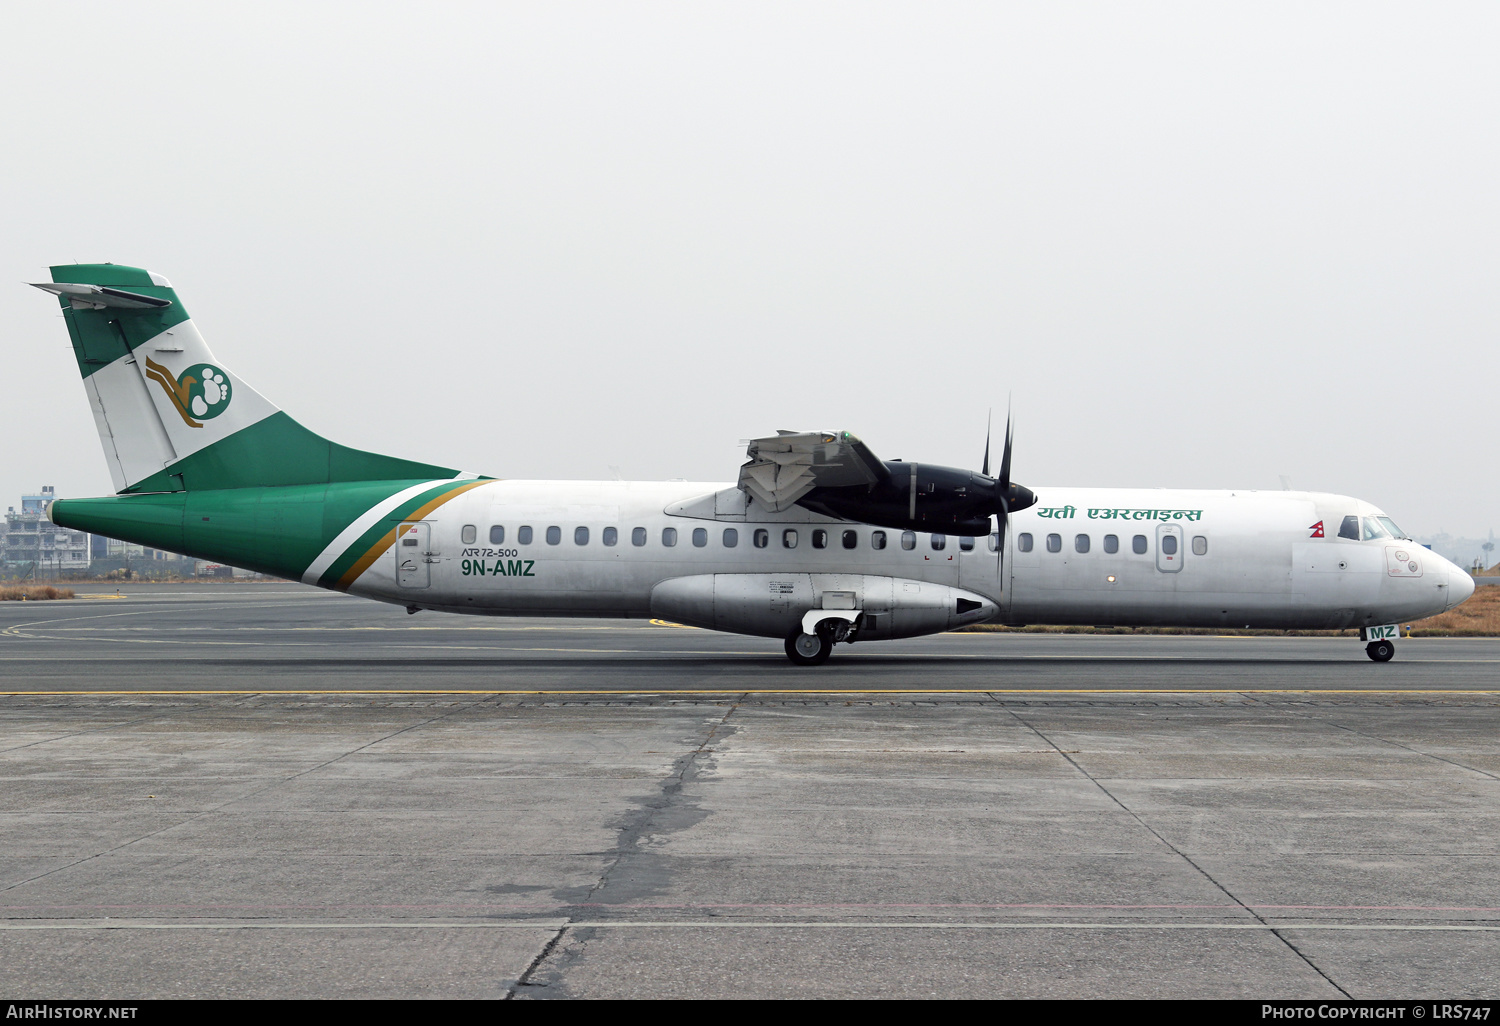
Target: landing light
(1110,578)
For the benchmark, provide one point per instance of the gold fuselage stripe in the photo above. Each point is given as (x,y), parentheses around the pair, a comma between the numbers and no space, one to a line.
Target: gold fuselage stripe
(389,538)
(271,692)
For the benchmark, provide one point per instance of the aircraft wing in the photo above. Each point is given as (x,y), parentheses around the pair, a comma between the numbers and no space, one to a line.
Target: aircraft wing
(785,467)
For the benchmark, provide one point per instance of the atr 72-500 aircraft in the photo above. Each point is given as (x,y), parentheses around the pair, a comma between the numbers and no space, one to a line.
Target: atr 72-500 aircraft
(818,542)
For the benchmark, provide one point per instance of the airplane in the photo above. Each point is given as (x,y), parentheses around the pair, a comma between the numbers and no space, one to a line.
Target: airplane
(818,542)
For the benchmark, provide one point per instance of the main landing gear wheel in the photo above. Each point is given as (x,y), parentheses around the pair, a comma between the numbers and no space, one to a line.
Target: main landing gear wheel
(1380,651)
(808,649)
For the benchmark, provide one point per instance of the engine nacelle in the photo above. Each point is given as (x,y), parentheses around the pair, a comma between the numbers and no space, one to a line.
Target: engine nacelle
(773,605)
(921,497)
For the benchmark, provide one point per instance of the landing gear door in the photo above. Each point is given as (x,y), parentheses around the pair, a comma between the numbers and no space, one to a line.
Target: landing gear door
(413,555)
(1169,548)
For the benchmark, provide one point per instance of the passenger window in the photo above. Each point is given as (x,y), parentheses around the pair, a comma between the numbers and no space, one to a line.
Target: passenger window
(731,537)
(994,543)
(638,537)
(1080,543)
(1111,543)
(877,539)
(1350,528)
(669,536)
(1374,530)
(611,536)
(1169,544)
(820,539)
(789,539)
(497,535)
(468,534)
(554,536)
(1200,546)
(412,541)
(580,536)
(908,540)
(1138,545)
(523,536)
(965,543)
(762,537)
(700,537)
(1054,543)
(1023,542)
(939,542)
(851,539)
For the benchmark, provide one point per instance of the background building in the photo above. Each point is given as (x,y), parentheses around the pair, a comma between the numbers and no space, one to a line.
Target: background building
(33,546)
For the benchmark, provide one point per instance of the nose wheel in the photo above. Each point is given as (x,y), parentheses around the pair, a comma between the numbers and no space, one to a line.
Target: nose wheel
(1380,651)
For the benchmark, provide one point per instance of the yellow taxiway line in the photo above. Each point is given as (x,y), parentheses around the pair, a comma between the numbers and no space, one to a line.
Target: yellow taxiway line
(786,691)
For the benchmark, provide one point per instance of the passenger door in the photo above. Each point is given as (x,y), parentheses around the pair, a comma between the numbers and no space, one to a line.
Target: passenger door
(413,555)
(1169,548)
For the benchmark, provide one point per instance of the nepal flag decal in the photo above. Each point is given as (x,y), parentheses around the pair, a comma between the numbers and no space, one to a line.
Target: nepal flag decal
(1317,530)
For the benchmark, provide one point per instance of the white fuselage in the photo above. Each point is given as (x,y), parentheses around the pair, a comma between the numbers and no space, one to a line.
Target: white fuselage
(1242,559)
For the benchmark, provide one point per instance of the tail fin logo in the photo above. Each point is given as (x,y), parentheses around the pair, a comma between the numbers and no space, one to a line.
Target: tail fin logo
(201,391)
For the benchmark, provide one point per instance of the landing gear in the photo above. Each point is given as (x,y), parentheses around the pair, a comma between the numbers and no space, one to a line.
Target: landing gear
(1380,651)
(813,649)
(809,649)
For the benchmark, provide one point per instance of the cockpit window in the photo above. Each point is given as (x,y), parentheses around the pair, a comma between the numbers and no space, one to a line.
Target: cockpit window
(1390,525)
(1375,530)
(1350,528)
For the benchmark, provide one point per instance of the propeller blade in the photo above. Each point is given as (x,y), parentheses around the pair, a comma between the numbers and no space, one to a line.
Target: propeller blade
(1004,520)
(988,421)
(1002,486)
(1005,457)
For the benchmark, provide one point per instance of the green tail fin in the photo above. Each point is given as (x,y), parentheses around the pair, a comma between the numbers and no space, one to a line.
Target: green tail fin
(170,416)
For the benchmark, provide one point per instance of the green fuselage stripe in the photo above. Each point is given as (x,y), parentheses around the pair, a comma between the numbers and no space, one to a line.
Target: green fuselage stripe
(358,557)
(276,531)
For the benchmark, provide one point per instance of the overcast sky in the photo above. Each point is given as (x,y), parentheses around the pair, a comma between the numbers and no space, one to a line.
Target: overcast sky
(1204,245)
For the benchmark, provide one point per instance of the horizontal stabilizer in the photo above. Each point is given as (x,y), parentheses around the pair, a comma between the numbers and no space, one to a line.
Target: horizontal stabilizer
(97,297)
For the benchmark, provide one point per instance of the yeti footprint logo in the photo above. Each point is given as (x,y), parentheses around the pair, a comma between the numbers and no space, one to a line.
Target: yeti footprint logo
(202,391)
(214,396)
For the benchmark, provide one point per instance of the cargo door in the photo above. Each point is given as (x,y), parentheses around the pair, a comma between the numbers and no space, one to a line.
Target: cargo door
(413,555)
(980,567)
(1023,566)
(1340,581)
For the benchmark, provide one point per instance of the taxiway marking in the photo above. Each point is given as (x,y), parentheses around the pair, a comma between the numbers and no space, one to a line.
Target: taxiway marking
(843,693)
(730,924)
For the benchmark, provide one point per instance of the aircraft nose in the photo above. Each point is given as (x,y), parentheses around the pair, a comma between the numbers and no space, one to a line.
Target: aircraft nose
(1460,586)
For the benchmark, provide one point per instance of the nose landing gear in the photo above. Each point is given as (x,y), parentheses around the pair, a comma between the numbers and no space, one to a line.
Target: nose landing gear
(1382,641)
